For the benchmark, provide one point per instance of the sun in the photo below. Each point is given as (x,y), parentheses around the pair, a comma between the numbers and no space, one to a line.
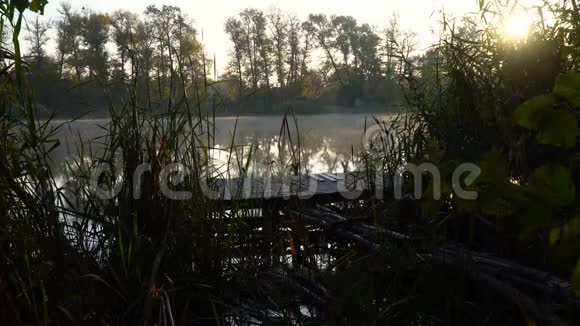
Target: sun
(517,26)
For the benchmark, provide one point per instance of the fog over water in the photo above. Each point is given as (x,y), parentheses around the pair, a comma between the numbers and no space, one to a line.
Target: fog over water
(327,141)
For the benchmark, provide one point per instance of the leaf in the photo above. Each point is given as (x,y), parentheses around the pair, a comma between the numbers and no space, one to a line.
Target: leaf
(21,5)
(493,168)
(554,184)
(568,87)
(533,111)
(38,6)
(576,278)
(555,235)
(495,190)
(559,128)
(568,231)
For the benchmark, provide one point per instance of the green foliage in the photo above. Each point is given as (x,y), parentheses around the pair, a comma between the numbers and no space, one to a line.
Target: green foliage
(555,126)
(568,87)
(553,184)
(498,197)
(310,87)
(533,112)
(560,128)
(71,258)
(267,46)
(511,106)
(38,6)
(568,232)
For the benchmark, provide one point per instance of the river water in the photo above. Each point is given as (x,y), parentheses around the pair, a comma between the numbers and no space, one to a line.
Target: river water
(327,141)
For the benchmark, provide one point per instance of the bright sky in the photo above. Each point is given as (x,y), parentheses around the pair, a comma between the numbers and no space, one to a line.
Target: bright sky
(210,16)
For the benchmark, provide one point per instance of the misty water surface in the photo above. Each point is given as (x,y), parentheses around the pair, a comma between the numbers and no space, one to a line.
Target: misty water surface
(327,141)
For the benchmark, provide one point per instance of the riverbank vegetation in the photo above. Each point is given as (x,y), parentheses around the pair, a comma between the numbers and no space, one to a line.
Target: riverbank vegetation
(509,105)
(275,61)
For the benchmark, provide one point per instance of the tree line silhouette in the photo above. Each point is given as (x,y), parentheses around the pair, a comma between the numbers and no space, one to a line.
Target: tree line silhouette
(276,60)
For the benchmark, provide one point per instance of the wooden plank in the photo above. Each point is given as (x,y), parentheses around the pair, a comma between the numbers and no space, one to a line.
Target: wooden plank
(328,177)
(328,187)
(317,177)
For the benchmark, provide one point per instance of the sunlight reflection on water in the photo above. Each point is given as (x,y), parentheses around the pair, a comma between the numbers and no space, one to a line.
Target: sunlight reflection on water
(327,143)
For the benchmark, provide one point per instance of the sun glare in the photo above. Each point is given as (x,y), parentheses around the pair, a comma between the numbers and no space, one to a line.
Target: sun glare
(517,26)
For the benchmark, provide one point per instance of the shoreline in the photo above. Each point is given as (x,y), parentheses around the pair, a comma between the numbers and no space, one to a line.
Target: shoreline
(88,117)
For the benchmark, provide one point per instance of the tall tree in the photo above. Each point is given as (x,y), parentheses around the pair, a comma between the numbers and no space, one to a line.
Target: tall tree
(322,30)
(294,36)
(406,45)
(306,49)
(346,29)
(95,38)
(63,46)
(124,25)
(367,52)
(37,37)
(278,26)
(234,30)
(263,45)
(189,52)
(251,51)
(69,28)
(164,22)
(392,34)
(143,58)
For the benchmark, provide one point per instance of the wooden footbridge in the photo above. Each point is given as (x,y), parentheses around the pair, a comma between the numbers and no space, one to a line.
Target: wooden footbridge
(527,287)
(320,188)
